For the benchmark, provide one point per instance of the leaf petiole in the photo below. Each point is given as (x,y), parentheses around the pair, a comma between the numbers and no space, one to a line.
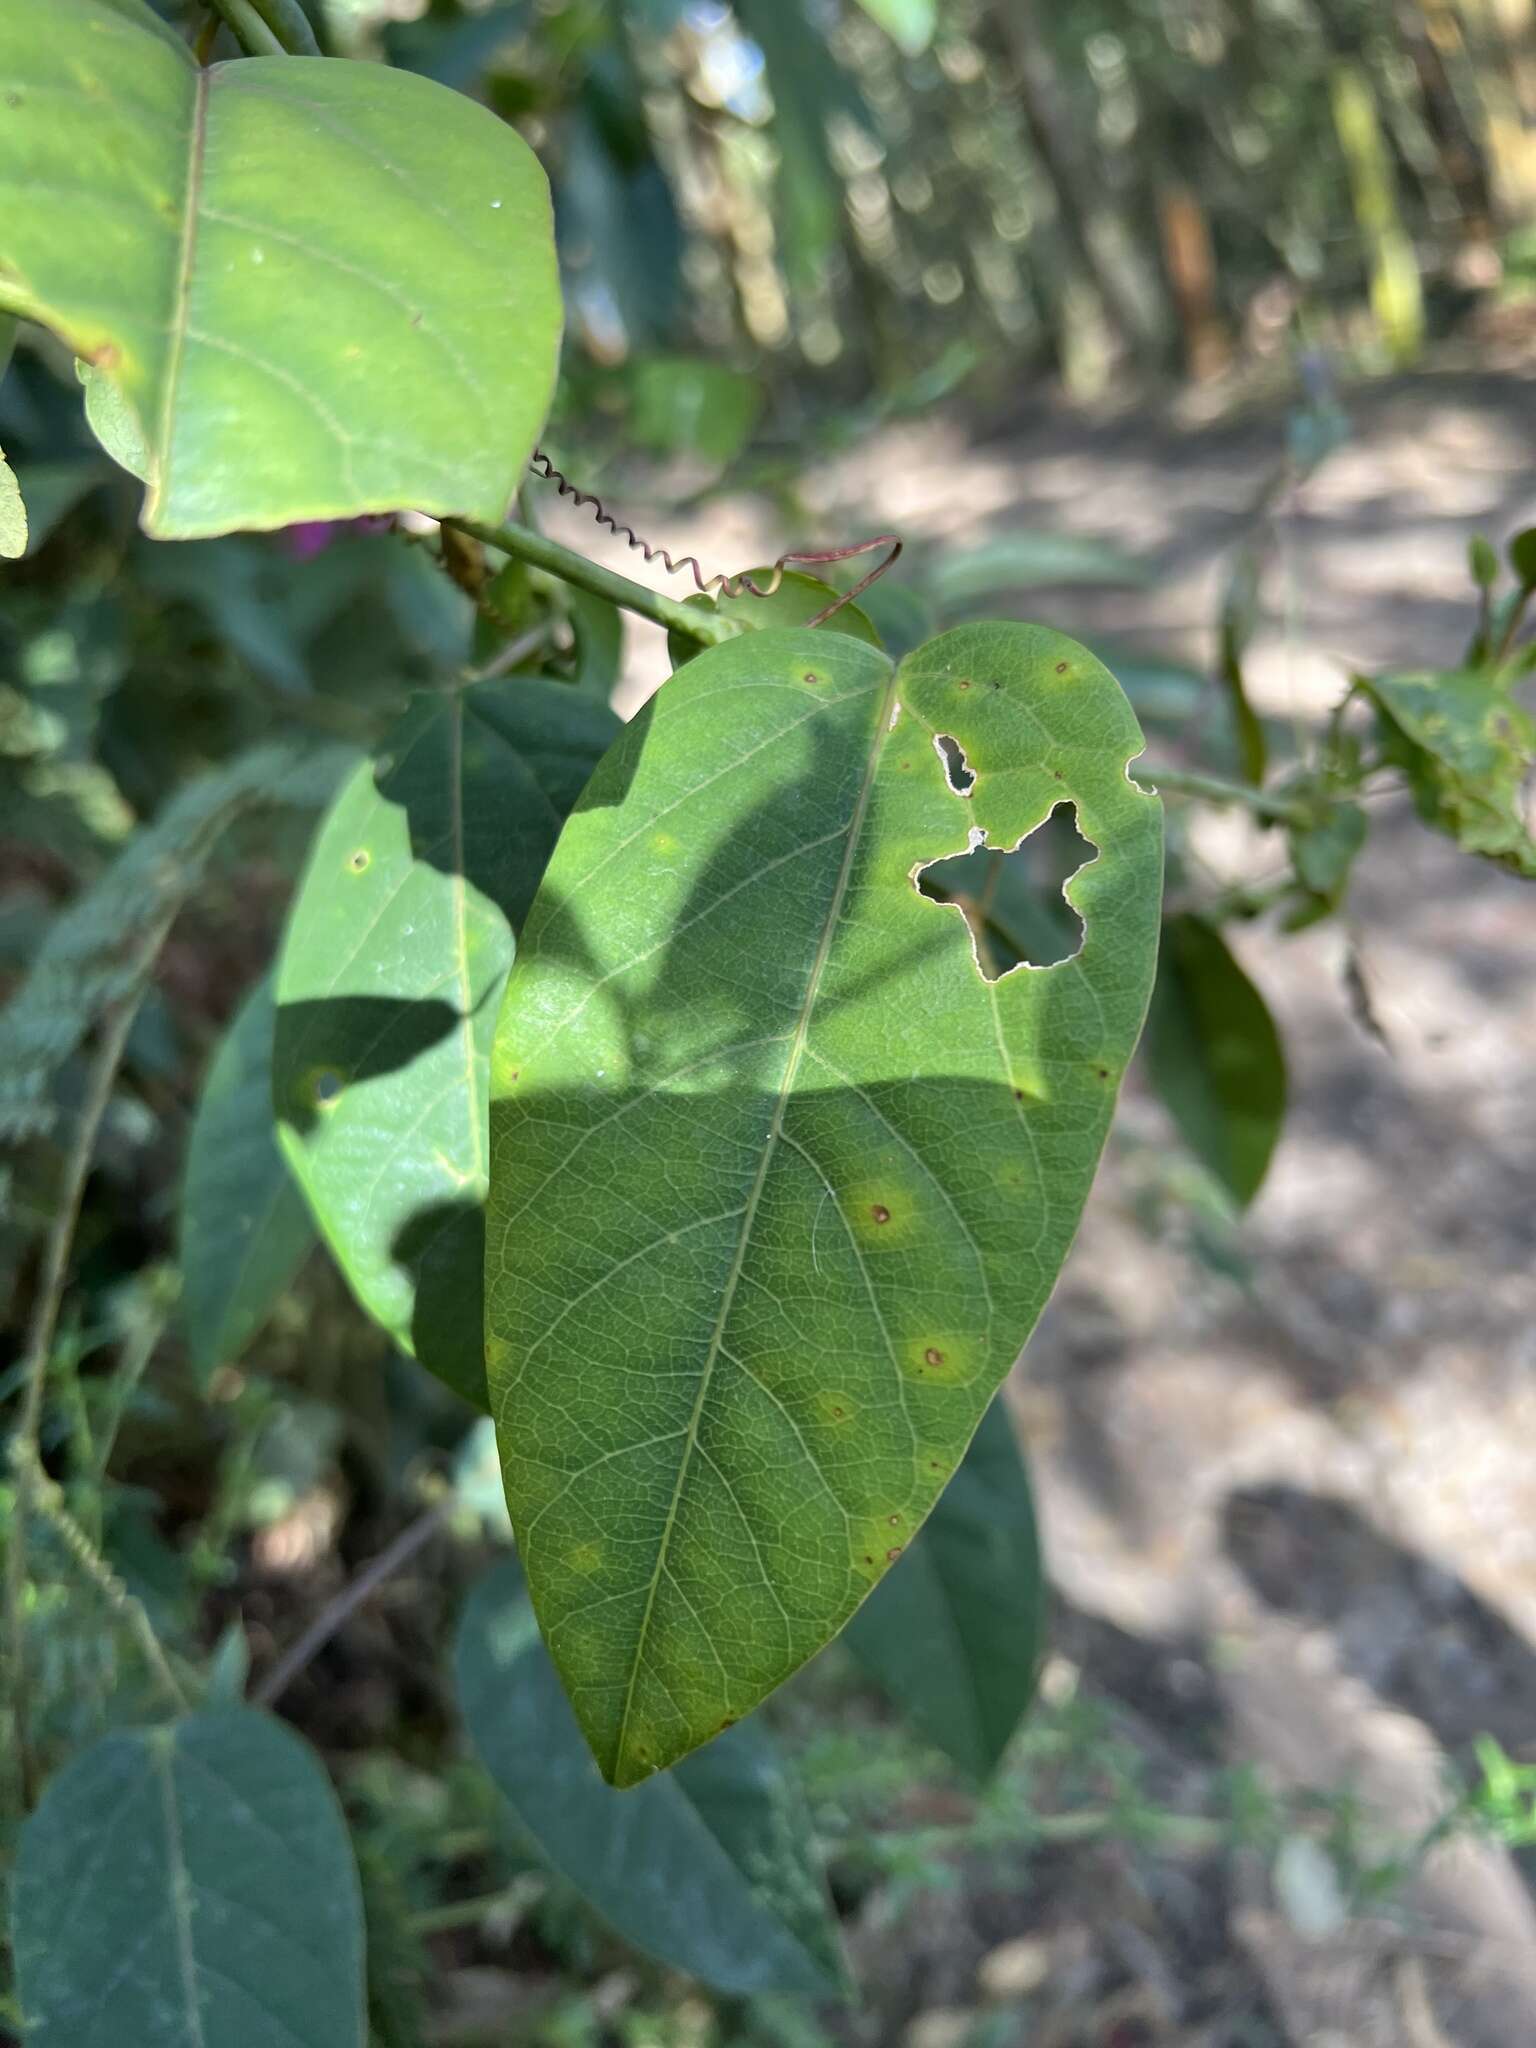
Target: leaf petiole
(707,628)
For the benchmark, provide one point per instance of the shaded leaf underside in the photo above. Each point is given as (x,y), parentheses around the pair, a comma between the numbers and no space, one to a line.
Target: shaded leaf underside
(779,1182)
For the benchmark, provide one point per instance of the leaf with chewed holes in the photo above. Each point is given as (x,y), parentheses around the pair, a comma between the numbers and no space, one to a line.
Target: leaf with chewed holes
(779,1180)
(309,289)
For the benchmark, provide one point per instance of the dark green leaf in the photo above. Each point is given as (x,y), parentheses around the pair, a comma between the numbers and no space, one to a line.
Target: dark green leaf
(711,1869)
(779,1181)
(1214,1056)
(1522,558)
(190,1887)
(598,630)
(397,950)
(261,256)
(1468,750)
(245,1229)
(954,1634)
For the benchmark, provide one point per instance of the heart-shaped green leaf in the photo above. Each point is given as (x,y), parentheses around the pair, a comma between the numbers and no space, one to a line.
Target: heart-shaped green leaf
(712,1870)
(396,954)
(954,1633)
(1215,1057)
(321,288)
(245,1229)
(189,1886)
(779,1180)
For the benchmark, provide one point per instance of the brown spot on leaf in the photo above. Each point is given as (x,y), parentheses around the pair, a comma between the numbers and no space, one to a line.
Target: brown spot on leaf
(880,1213)
(933,1355)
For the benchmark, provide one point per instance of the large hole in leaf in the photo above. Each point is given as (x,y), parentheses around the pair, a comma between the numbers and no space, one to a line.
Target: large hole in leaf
(1014,902)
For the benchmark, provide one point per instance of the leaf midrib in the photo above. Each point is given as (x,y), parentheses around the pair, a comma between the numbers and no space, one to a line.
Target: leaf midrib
(792,1061)
(196,147)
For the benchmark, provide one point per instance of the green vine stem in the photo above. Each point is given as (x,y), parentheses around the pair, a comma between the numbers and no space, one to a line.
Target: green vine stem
(254,36)
(1275,810)
(707,628)
(291,25)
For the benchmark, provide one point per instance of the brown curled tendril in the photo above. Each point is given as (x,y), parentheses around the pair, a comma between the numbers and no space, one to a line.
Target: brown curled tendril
(721,585)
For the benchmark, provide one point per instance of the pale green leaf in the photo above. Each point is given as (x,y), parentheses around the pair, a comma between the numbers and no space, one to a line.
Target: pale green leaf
(13,515)
(1214,1056)
(190,1887)
(909,23)
(795,600)
(711,1869)
(954,1633)
(396,953)
(1023,561)
(245,1229)
(263,256)
(1468,750)
(780,1181)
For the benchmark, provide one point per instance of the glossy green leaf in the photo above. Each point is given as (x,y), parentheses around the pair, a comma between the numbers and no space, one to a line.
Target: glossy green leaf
(13,515)
(797,600)
(396,953)
(1468,750)
(190,1887)
(245,1228)
(779,1181)
(711,1869)
(909,23)
(955,1633)
(1214,1056)
(263,255)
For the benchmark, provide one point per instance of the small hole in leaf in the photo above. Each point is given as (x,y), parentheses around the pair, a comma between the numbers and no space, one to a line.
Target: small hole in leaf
(326,1087)
(958,772)
(359,860)
(1014,902)
(933,1355)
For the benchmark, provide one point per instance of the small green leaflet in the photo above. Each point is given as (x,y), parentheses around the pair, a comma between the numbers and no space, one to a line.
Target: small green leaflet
(1214,1056)
(245,1229)
(396,953)
(712,1869)
(187,1886)
(1467,748)
(259,257)
(954,1633)
(779,1181)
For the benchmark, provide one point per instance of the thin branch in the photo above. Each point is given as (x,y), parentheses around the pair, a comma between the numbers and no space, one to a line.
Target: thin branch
(25,1448)
(706,627)
(1275,810)
(47,1502)
(336,1613)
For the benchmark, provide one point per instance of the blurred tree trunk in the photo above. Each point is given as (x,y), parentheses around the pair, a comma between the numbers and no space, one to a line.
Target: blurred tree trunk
(1044,104)
(1427,30)
(1190,262)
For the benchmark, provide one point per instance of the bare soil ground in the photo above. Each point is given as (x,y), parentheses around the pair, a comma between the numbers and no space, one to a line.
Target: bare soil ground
(1291,1518)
